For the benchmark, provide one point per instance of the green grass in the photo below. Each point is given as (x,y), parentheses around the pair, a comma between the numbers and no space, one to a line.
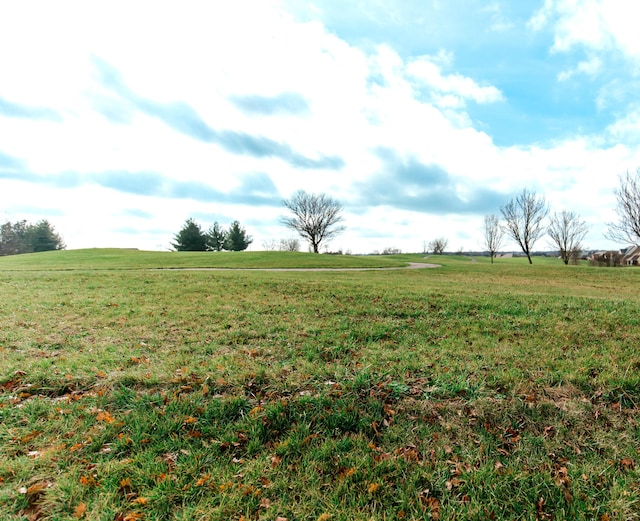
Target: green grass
(471,391)
(117,259)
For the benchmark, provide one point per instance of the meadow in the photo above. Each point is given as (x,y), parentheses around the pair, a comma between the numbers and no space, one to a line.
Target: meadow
(471,391)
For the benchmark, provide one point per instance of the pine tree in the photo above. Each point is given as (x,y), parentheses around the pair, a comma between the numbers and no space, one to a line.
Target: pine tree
(216,237)
(237,238)
(190,238)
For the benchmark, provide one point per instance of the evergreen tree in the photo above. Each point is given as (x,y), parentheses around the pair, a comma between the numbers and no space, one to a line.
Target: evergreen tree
(190,238)
(22,237)
(43,237)
(216,237)
(237,238)
(12,238)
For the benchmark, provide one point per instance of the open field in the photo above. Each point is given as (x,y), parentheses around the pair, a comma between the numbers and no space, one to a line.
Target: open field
(471,391)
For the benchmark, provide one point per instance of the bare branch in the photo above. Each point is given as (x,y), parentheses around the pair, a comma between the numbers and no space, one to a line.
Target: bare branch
(315,217)
(493,235)
(566,230)
(524,217)
(437,246)
(627,229)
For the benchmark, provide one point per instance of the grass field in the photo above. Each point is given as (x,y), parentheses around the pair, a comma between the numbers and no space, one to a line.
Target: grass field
(471,391)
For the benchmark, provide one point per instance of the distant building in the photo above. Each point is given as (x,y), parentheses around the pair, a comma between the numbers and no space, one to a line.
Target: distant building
(631,256)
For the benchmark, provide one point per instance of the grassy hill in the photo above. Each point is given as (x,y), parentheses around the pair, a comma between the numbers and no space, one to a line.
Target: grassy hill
(99,259)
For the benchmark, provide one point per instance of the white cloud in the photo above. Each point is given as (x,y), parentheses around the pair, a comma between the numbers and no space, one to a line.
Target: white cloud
(427,73)
(589,67)
(598,25)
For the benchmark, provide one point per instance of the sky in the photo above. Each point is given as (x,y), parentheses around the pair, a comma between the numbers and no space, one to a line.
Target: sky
(119,120)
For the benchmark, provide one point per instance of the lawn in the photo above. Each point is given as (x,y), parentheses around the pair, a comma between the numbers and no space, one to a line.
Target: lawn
(470,391)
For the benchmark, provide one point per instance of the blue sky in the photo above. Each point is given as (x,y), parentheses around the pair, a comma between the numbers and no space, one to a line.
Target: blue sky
(119,121)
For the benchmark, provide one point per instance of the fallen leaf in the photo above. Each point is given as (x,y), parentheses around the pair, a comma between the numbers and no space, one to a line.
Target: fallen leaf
(30,436)
(140,501)
(453,483)
(38,488)
(265,503)
(325,517)
(80,510)
(373,488)
(627,463)
(203,480)
(434,505)
(105,416)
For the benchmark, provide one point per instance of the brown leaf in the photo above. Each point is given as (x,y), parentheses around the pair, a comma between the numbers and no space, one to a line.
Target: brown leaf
(627,463)
(140,501)
(265,503)
(453,483)
(80,510)
(434,505)
(30,436)
(33,512)
(203,480)
(373,488)
(256,410)
(38,488)
(105,416)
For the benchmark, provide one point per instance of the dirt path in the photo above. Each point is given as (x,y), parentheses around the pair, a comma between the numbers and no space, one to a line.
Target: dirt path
(411,266)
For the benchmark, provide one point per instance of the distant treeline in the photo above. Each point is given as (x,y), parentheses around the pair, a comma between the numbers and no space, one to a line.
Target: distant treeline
(24,237)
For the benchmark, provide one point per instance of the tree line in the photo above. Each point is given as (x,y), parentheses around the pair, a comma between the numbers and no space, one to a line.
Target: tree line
(192,238)
(315,217)
(527,218)
(24,237)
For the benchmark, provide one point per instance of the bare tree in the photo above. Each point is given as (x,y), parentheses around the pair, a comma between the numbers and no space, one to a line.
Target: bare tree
(315,217)
(627,229)
(437,246)
(269,245)
(493,235)
(567,230)
(524,216)
(289,244)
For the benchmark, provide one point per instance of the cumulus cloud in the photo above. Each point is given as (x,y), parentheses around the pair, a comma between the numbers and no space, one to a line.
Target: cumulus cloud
(589,67)
(410,184)
(449,89)
(599,25)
